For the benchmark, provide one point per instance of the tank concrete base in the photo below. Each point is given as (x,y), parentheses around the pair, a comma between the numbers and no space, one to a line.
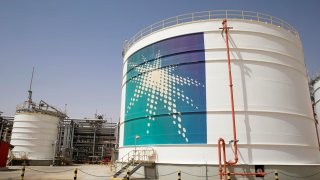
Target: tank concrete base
(31,162)
(210,172)
(4,168)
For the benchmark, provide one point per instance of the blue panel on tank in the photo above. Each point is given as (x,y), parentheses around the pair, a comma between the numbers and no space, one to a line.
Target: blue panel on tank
(166,93)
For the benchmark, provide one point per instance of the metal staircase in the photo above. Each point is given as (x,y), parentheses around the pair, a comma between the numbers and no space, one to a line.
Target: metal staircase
(136,167)
(123,169)
(10,158)
(132,161)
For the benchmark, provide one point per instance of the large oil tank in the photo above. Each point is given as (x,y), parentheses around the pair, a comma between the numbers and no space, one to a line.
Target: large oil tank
(175,91)
(34,133)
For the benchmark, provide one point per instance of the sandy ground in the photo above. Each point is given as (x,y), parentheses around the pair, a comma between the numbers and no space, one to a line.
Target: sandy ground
(57,172)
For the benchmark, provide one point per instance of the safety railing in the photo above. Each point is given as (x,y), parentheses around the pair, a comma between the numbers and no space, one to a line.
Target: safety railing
(137,156)
(207,16)
(175,174)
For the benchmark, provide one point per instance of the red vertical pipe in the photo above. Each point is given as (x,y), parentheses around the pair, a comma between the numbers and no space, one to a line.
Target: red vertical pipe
(221,142)
(226,30)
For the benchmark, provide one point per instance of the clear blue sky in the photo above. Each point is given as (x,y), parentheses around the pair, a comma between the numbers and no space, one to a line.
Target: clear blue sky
(76,46)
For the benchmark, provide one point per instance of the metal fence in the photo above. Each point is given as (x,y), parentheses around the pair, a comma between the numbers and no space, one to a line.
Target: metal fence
(207,16)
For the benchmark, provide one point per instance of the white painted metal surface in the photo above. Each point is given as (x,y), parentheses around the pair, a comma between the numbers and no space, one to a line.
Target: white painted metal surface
(33,135)
(316,94)
(274,117)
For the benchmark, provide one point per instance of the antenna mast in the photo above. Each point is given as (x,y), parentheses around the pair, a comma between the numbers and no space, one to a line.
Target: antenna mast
(30,91)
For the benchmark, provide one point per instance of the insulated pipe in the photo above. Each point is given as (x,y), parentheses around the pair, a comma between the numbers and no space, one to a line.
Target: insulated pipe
(316,123)
(94,141)
(72,135)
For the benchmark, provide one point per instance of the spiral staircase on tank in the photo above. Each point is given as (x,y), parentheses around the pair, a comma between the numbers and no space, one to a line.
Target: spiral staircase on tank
(132,161)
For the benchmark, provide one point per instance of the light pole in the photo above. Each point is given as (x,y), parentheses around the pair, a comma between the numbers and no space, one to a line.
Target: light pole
(137,137)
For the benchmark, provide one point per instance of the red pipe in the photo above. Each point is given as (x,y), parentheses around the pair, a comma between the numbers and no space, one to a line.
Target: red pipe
(226,30)
(221,142)
(221,173)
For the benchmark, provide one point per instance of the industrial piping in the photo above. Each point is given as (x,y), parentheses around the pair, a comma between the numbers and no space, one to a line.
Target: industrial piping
(221,142)
(316,122)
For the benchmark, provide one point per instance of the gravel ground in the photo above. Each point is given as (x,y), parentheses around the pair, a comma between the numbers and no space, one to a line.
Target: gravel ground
(57,172)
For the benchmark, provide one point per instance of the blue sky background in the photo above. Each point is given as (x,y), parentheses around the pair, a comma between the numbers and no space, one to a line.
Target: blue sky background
(76,46)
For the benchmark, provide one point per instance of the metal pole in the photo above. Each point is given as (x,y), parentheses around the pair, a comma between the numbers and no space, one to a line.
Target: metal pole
(94,141)
(60,138)
(30,91)
(22,174)
(135,147)
(72,138)
(75,173)
(2,122)
(228,175)
(276,177)
(128,174)
(135,144)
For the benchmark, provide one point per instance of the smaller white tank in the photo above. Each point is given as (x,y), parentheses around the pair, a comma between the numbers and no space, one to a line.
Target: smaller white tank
(35,131)
(33,135)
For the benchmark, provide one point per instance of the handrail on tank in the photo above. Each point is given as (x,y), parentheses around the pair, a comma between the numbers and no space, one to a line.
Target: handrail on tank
(137,156)
(41,107)
(207,16)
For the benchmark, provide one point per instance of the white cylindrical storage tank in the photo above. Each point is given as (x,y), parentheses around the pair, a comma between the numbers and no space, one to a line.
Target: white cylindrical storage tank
(175,91)
(34,135)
